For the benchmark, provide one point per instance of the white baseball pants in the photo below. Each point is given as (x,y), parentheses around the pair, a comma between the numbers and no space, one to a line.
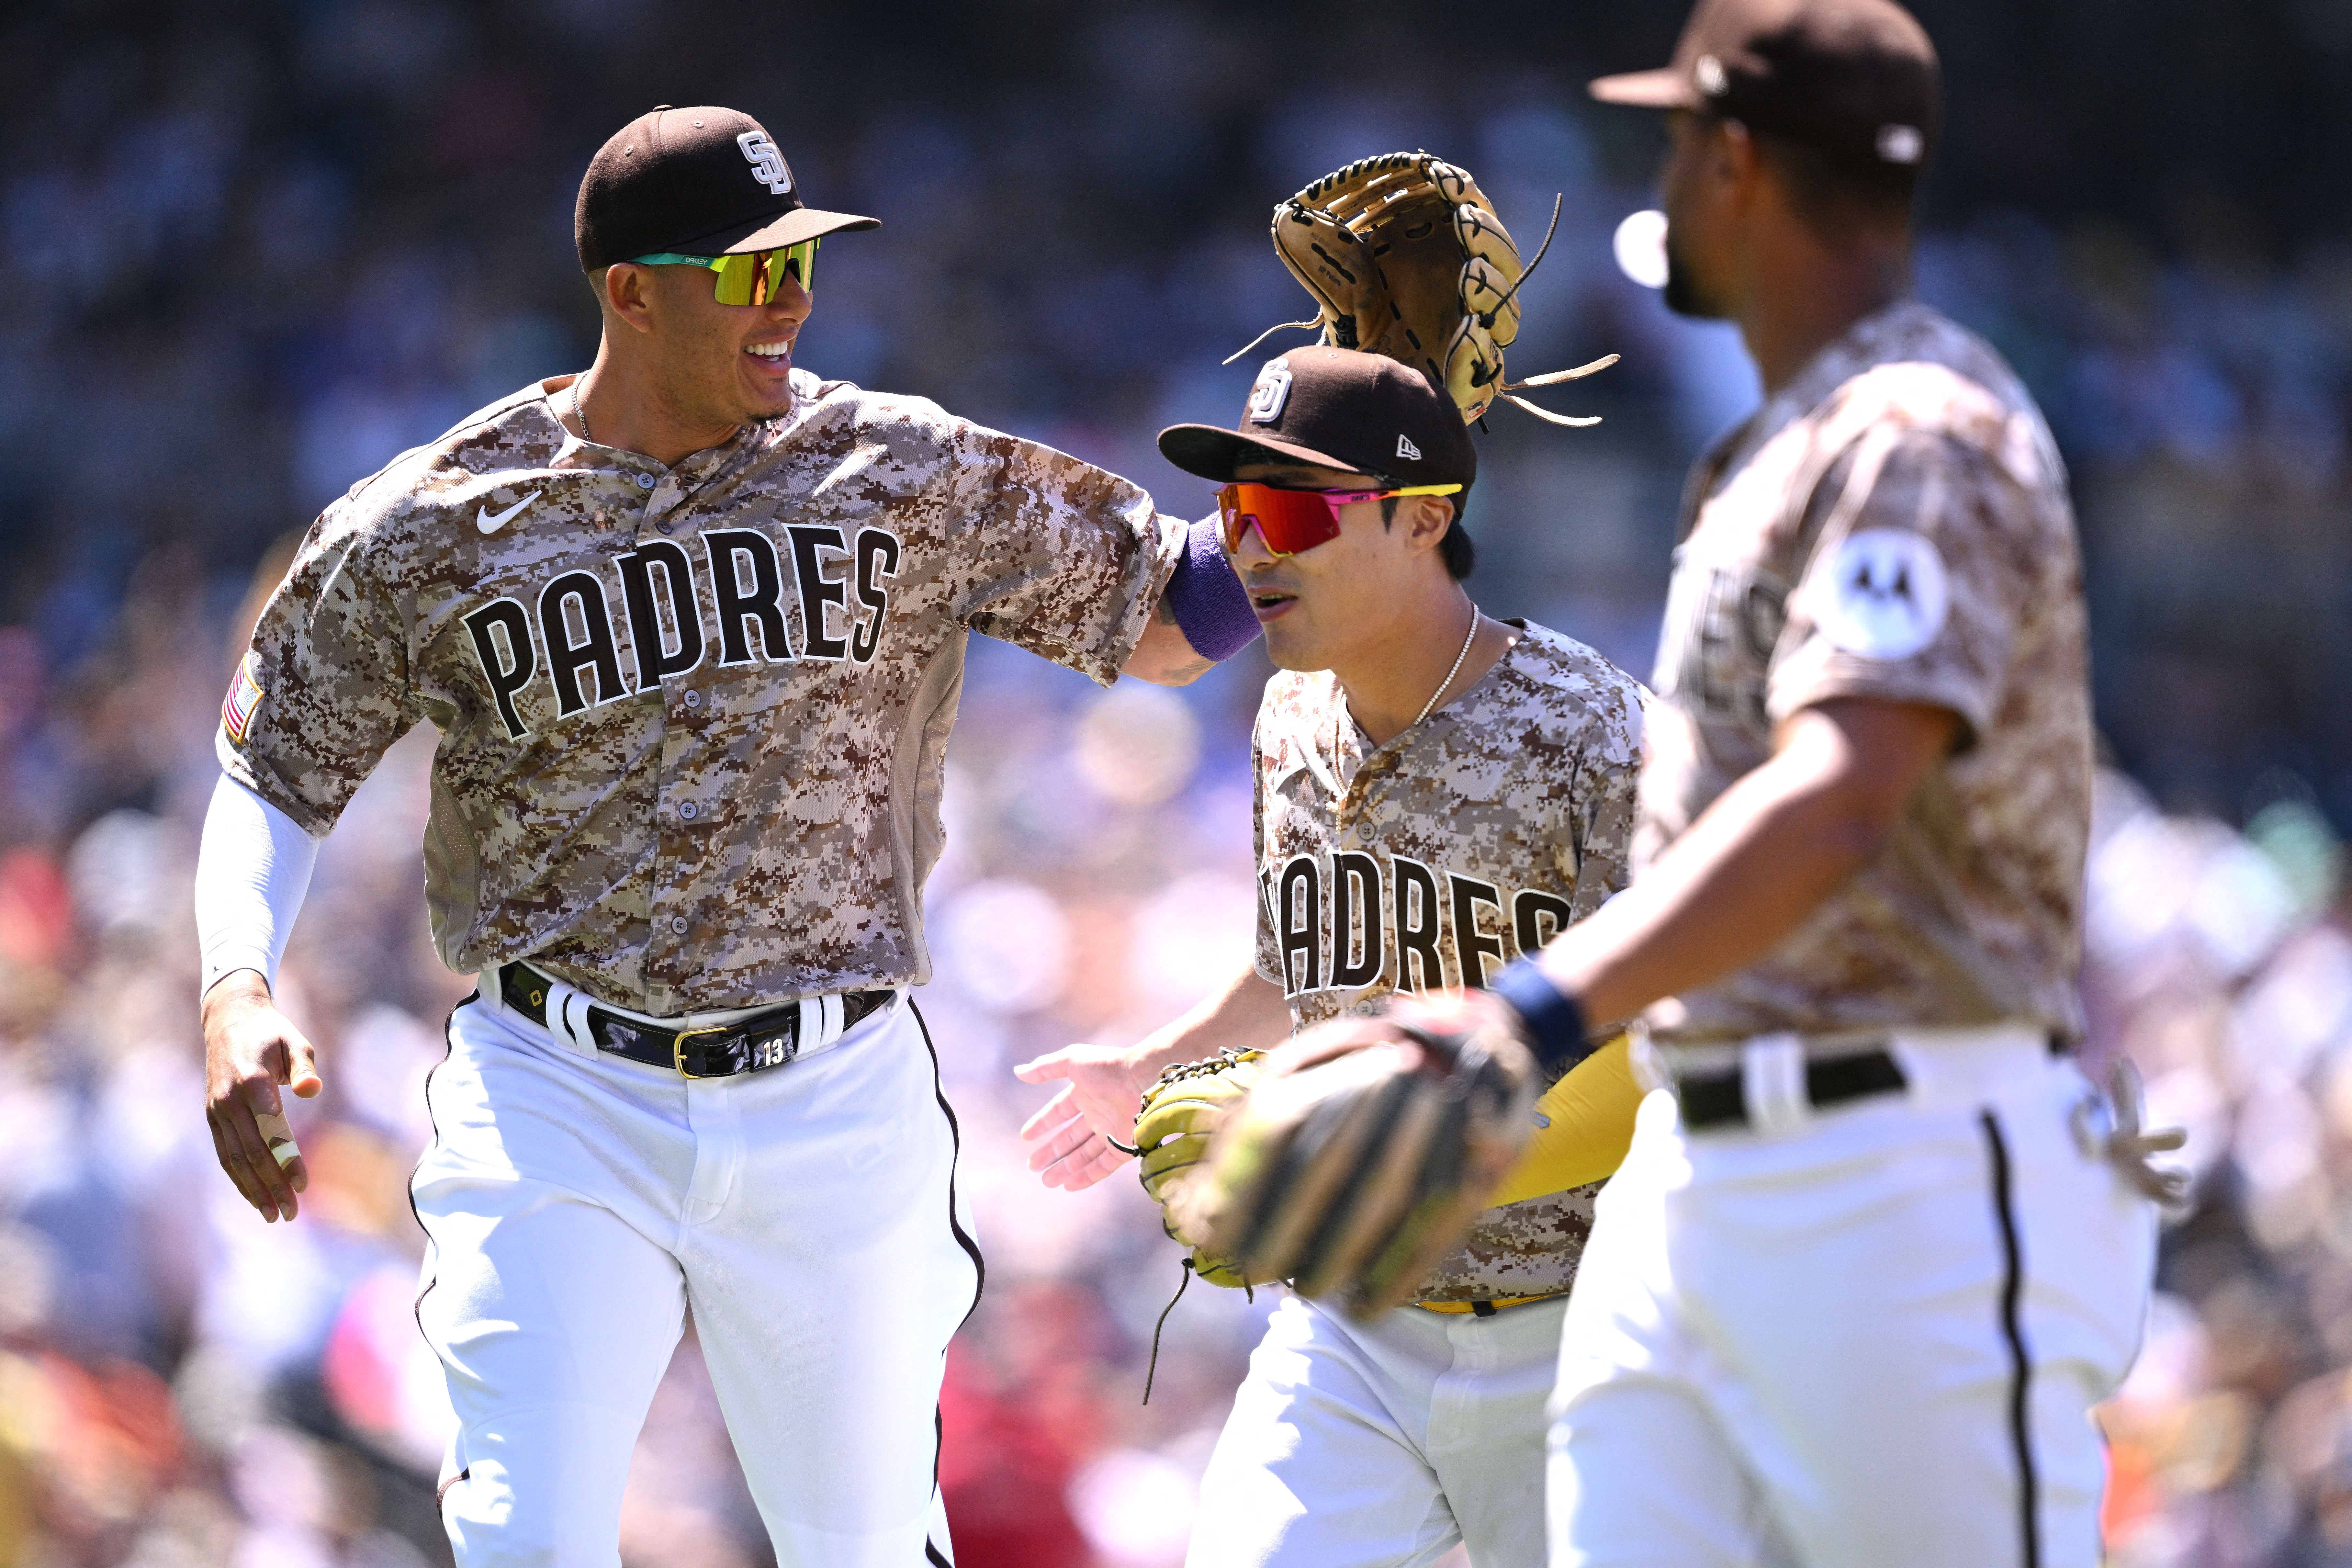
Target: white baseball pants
(1381,1444)
(1870,1336)
(576,1204)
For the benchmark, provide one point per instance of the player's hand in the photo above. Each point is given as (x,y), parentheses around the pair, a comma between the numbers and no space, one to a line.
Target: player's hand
(2115,1127)
(250,1048)
(1069,1138)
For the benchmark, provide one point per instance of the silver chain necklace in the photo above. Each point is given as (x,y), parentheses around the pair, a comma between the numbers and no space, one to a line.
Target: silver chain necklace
(581,415)
(1468,638)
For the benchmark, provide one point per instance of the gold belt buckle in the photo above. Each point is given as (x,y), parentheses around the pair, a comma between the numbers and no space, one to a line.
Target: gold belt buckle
(678,1051)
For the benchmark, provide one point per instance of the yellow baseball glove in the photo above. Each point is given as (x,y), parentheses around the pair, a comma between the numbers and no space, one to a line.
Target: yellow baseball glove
(1172,1130)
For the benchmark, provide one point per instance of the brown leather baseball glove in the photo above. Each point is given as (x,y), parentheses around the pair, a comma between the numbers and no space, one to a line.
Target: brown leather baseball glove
(1365,1149)
(1405,258)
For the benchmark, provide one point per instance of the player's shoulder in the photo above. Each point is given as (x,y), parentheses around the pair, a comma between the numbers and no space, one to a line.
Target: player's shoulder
(1941,385)
(838,413)
(1557,690)
(835,399)
(517,434)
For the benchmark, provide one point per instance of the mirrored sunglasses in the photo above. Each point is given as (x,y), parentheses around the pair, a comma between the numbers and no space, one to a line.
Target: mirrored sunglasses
(1292,521)
(749,277)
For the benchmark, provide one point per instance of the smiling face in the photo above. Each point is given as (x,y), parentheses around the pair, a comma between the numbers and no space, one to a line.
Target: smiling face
(715,365)
(1323,608)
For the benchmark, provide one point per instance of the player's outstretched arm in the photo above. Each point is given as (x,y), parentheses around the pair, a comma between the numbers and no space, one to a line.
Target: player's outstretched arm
(250,1048)
(252,872)
(1069,1136)
(1203,616)
(1163,657)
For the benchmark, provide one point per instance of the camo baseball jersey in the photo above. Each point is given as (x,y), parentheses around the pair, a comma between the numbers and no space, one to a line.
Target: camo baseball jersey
(693,719)
(1893,524)
(1465,842)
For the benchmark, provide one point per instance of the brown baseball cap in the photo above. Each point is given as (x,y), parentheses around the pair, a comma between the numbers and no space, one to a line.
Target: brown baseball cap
(1853,77)
(1336,408)
(700,182)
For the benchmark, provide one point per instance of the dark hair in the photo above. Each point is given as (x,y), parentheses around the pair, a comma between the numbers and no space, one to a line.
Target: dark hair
(1830,190)
(1454,548)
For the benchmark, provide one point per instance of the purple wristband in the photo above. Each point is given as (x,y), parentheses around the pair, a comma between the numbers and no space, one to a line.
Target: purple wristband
(1211,606)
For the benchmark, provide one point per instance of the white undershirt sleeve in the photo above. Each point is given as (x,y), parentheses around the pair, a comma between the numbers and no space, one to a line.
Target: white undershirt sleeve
(251,873)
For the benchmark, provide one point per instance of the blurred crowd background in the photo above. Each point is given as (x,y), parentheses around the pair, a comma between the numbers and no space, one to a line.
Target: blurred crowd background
(249,249)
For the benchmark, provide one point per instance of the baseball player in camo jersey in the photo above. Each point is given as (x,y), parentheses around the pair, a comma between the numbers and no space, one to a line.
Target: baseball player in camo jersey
(1438,793)
(692,627)
(1858,1298)
(1851,1296)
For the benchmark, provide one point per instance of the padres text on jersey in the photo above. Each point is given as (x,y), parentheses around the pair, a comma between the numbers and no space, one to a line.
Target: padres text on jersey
(692,718)
(1471,839)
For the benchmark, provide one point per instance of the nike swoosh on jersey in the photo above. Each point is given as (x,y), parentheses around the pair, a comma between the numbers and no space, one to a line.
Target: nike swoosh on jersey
(489,522)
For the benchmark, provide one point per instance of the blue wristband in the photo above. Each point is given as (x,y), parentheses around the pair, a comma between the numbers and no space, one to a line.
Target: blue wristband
(1211,606)
(1554,1020)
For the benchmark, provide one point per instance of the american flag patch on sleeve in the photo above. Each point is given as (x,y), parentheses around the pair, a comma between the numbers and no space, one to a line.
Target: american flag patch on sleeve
(244,697)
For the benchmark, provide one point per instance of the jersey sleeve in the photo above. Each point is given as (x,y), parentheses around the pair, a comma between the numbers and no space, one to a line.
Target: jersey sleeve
(1610,776)
(325,689)
(1914,592)
(1063,558)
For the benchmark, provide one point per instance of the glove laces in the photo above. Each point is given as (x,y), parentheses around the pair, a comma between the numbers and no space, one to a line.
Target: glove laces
(1152,1370)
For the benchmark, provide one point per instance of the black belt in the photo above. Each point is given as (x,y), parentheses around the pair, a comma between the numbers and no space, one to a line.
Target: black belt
(766,1039)
(1720,1097)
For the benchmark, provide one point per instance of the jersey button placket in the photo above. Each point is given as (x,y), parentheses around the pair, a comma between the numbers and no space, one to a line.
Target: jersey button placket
(680,817)
(1364,797)
(663,497)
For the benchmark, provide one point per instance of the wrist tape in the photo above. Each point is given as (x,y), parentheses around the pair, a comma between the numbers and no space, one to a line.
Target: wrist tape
(1555,1022)
(1211,606)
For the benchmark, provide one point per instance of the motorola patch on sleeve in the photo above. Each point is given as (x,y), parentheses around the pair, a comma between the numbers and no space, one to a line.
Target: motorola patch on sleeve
(1884,595)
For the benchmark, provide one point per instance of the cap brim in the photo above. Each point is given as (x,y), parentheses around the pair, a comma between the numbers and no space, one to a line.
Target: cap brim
(1214,452)
(1662,89)
(774,234)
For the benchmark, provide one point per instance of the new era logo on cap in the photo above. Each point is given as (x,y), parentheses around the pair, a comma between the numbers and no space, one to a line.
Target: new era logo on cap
(1405,448)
